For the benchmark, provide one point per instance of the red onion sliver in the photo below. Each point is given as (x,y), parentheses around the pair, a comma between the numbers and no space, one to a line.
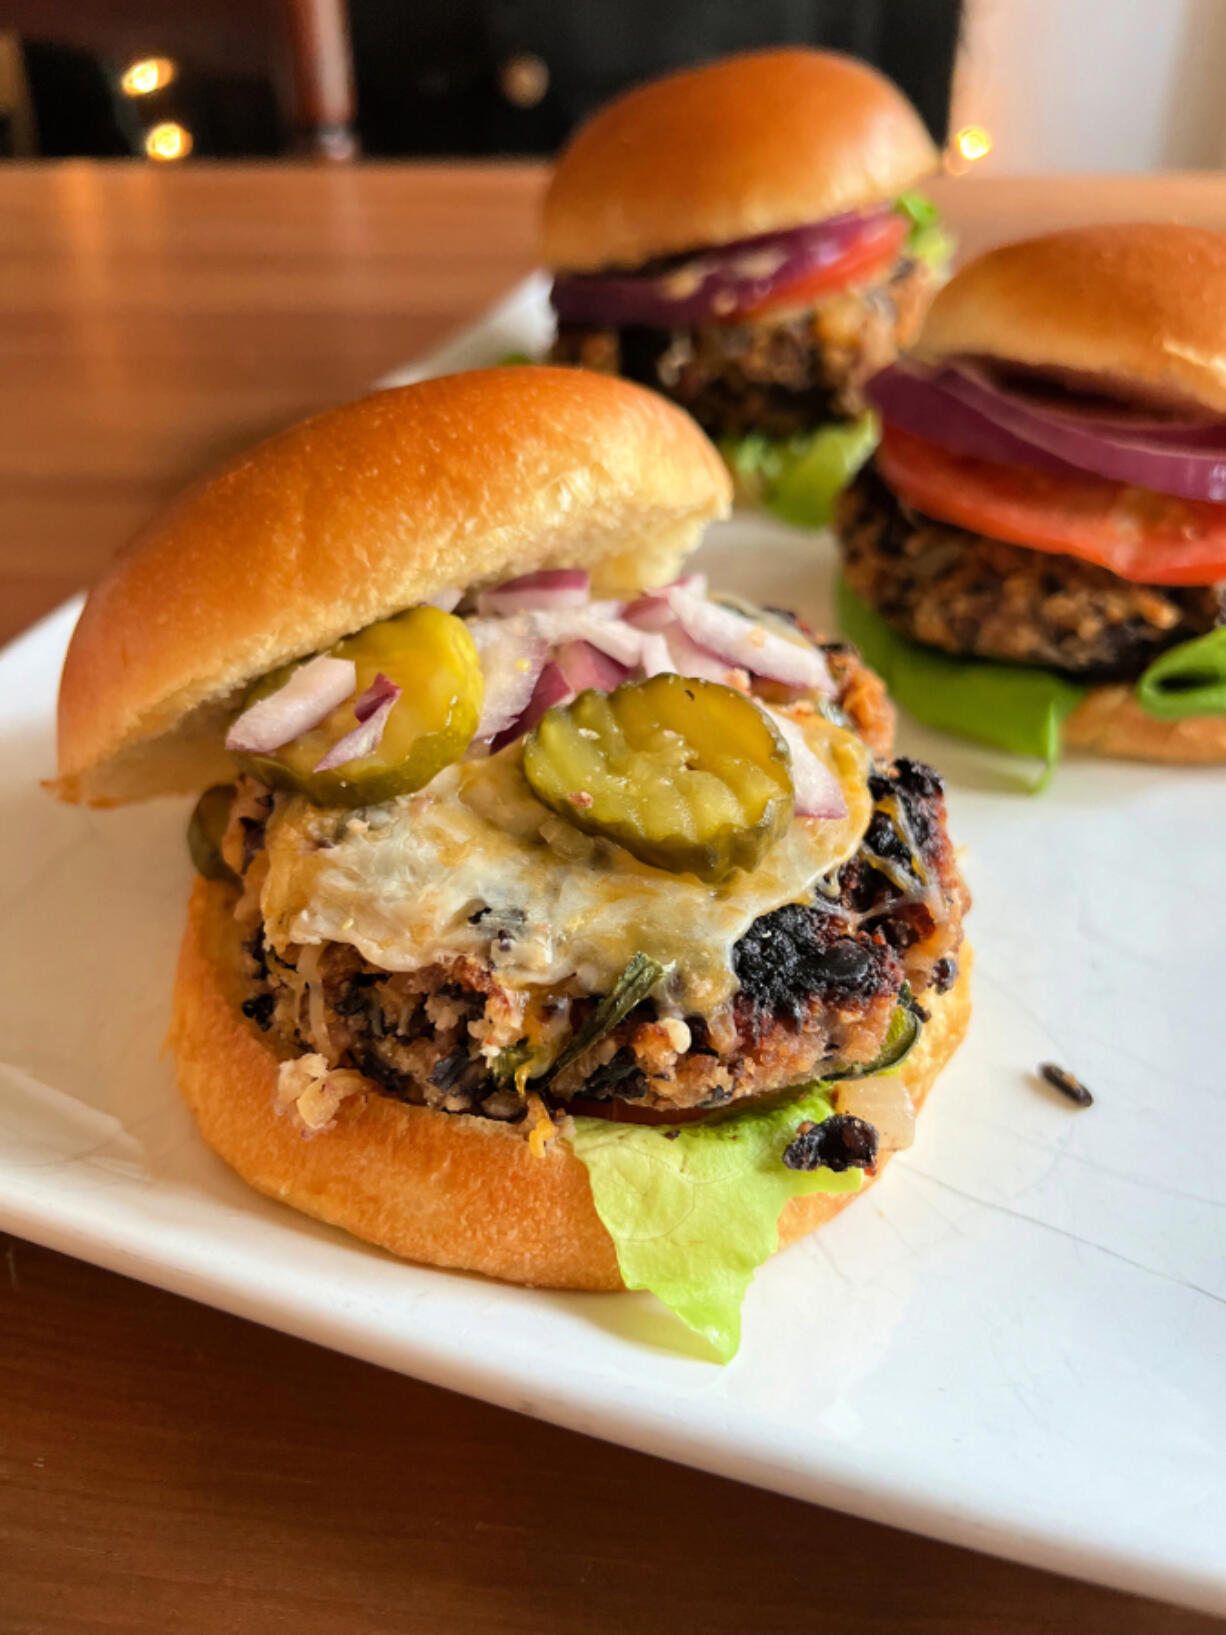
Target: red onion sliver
(913,401)
(313,691)
(819,793)
(962,408)
(551,588)
(381,687)
(650,612)
(598,623)
(656,658)
(586,666)
(723,280)
(740,642)
(512,658)
(365,737)
(551,688)
(689,659)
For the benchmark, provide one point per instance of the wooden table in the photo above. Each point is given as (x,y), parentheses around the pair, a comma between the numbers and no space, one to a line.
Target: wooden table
(168,1468)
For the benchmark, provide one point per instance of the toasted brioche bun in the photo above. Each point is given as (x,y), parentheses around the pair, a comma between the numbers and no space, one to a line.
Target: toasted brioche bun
(747,145)
(439,1188)
(1139,308)
(353,516)
(1109,721)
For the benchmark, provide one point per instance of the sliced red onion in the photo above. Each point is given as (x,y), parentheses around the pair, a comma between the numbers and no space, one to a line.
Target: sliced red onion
(551,588)
(819,794)
(740,642)
(313,691)
(512,657)
(650,612)
(689,659)
(599,623)
(656,658)
(551,688)
(586,666)
(368,734)
(916,402)
(380,689)
(962,408)
(445,600)
(724,280)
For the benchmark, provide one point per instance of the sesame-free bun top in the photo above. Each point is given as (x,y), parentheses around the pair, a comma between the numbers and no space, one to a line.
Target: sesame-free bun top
(354,516)
(1138,308)
(750,144)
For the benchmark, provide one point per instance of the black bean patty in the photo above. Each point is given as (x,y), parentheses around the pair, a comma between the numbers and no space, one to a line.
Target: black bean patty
(780,378)
(818,983)
(968,594)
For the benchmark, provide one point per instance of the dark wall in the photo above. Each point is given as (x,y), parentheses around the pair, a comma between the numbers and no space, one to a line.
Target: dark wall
(444,79)
(479,77)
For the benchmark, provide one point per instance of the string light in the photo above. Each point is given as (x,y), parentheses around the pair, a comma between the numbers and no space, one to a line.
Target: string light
(973,142)
(148,74)
(168,141)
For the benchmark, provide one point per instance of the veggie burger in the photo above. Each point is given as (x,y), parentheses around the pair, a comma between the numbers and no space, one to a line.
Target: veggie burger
(744,237)
(1049,496)
(554,916)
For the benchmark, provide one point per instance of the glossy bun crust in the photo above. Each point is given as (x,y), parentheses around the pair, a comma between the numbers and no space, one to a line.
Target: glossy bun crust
(442,1189)
(356,515)
(747,145)
(1140,307)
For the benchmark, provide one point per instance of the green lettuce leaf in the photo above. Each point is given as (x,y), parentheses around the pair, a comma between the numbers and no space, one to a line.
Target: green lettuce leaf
(693,1209)
(799,478)
(1008,705)
(926,240)
(1187,680)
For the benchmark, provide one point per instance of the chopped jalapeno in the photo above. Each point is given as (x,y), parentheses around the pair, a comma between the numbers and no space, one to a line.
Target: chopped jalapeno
(430,656)
(689,776)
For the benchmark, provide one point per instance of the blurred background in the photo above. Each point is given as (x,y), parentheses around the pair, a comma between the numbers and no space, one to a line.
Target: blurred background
(1011,85)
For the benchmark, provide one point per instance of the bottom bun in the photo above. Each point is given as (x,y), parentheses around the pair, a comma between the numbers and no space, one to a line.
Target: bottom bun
(440,1188)
(1109,721)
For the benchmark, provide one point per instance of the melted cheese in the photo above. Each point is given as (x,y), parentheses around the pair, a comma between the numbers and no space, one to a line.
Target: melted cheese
(473,865)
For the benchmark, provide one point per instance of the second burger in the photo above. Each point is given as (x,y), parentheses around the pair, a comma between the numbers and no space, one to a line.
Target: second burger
(743,238)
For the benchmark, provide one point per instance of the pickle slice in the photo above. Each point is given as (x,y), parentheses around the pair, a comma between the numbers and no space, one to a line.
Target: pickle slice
(431,658)
(209,820)
(689,776)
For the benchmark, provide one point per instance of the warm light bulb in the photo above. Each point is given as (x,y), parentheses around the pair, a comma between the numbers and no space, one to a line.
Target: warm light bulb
(168,141)
(149,74)
(973,142)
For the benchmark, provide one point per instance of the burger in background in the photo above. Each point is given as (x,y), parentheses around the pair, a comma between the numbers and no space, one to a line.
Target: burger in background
(1038,552)
(744,237)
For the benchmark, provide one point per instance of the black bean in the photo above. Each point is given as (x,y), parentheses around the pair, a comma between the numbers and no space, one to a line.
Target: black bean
(621,1078)
(260,1009)
(839,1143)
(944,974)
(449,1069)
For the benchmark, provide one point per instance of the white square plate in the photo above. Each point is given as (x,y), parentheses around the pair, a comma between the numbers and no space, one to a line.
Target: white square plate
(1016,1342)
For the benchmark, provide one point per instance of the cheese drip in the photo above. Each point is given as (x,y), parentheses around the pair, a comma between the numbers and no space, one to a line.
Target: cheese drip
(473,865)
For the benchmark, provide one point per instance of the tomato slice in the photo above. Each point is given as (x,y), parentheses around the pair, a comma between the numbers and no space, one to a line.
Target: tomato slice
(1149,538)
(871,252)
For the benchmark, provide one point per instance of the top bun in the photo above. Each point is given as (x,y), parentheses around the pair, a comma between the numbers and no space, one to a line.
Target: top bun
(1141,309)
(354,516)
(748,145)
